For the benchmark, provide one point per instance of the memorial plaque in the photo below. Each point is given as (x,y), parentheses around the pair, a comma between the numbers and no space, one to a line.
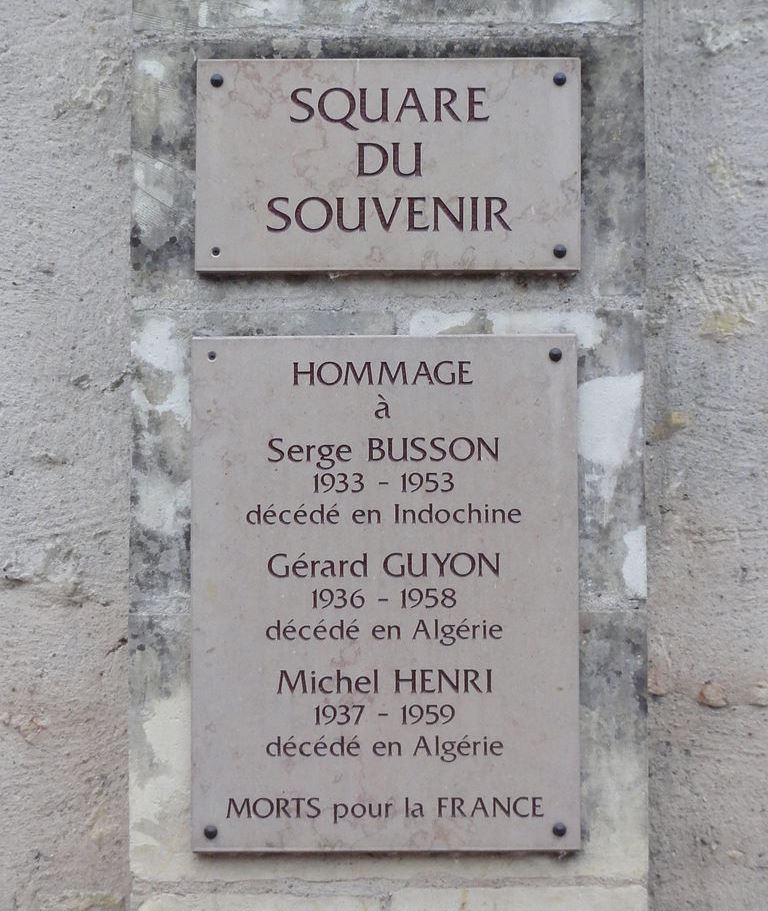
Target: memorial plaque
(384,583)
(366,165)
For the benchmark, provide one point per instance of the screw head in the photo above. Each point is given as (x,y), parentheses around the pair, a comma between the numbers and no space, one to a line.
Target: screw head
(211,355)
(559,829)
(555,354)
(215,251)
(210,832)
(559,79)
(559,250)
(217,80)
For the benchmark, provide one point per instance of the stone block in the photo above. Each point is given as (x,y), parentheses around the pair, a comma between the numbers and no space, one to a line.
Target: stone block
(264,902)
(352,15)
(522,898)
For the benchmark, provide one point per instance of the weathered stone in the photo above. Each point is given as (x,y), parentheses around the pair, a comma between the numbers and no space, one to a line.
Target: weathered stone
(344,16)
(707,502)
(510,898)
(519,711)
(493,181)
(758,693)
(658,684)
(612,735)
(713,695)
(612,531)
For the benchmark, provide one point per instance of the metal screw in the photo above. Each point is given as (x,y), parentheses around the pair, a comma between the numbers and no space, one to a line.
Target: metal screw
(559,829)
(559,79)
(559,250)
(216,251)
(210,832)
(211,355)
(217,80)
(555,354)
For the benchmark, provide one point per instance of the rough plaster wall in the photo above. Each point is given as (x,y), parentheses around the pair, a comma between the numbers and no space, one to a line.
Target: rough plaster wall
(63,455)
(707,419)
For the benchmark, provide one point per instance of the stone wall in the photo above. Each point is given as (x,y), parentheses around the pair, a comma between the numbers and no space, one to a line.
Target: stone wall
(696,292)
(603,305)
(706,426)
(64,454)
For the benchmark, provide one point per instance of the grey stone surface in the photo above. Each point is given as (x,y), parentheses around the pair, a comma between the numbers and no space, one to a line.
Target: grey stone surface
(628,898)
(65,419)
(64,450)
(377,15)
(706,422)
(504,391)
(291,177)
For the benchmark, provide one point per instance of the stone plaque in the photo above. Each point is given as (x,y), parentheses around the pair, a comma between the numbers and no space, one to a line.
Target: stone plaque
(384,583)
(366,165)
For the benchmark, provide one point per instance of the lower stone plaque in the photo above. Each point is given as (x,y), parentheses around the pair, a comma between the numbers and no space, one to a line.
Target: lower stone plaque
(384,581)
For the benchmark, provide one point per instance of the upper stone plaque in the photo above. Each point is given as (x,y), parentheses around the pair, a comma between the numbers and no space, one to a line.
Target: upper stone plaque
(379,165)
